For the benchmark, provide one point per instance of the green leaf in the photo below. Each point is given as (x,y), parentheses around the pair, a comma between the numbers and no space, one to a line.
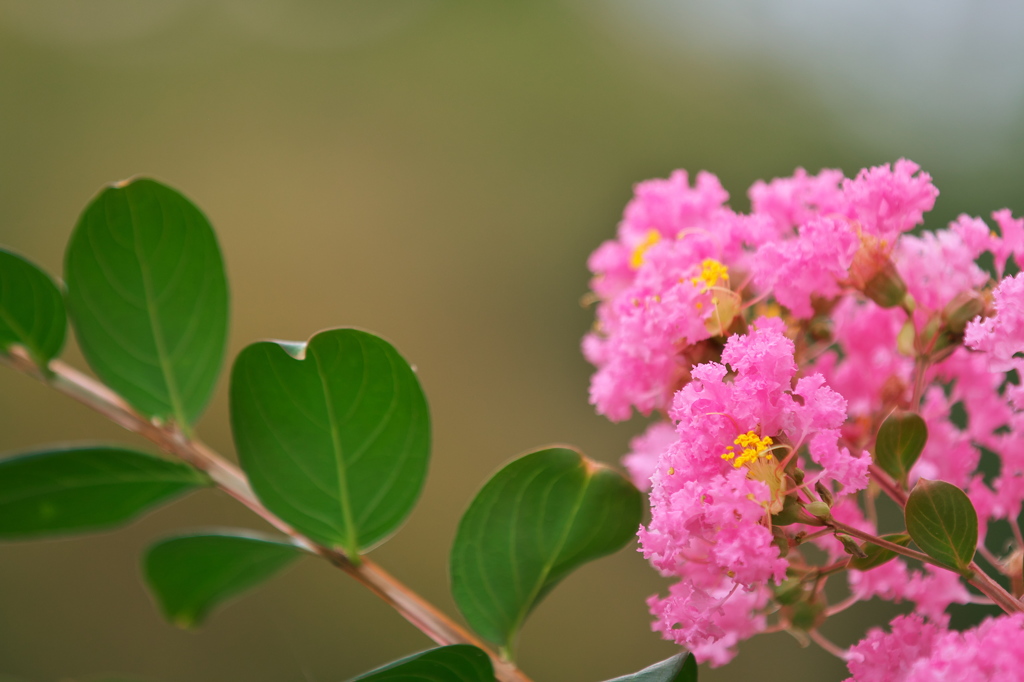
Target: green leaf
(875,555)
(680,668)
(83,489)
(191,574)
(942,522)
(334,434)
(31,309)
(148,298)
(536,520)
(899,443)
(455,663)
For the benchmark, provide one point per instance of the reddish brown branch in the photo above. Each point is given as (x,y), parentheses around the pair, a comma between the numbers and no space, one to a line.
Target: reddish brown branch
(229,478)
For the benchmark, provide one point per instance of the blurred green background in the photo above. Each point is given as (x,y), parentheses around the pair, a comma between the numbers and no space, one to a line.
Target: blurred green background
(437,172)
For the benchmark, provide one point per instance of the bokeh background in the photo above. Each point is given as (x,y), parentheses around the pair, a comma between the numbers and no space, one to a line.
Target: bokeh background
(438,171)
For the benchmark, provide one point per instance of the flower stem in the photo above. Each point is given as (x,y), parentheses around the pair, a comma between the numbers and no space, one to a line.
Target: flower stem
(229,478)
(977,577)
(827,644)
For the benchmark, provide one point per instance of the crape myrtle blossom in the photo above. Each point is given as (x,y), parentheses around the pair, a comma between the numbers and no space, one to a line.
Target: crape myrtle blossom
(715,488)
(673,280)
(644,451)
(777,344)
(1001,336)
(917,650)
(665,287)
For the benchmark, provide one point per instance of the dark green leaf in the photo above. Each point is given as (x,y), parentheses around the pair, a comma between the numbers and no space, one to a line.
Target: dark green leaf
(334,434)
(536,520)
(680,668)
(31,309)
(148,298)
(875,555)
(191,574)
(900,441)
(455,663)
(942,522)
(83,489)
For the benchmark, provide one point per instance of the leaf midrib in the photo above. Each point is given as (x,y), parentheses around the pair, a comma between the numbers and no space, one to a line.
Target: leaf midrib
(548,565)
(154,322)
(344,501)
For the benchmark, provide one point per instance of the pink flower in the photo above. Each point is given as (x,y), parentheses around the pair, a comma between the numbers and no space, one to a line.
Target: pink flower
(872,371)
(709,624)
(939,265)
(793,201)
(645,450)
(888,202)
(811,264)
(1011,241)
(663,287)
(709,504)
(948,453)
(1001,336)
(882,657)
(932,590)
(919,651)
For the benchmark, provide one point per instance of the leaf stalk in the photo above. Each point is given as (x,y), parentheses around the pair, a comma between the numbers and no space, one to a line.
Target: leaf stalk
(434,623)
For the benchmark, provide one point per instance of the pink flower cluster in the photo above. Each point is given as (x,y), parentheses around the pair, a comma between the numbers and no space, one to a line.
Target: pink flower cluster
(807,238)
(774,344)
(917,650)
(708,515)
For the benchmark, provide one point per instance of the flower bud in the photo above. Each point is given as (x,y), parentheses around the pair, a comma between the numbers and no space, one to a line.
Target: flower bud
(823,492)
(886,287)
(851,546)
(818,509)
(873,273)
(966,306)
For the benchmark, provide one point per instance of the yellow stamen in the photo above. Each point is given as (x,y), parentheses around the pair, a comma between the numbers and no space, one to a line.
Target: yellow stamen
(753,447)
(712,272)
(652,238)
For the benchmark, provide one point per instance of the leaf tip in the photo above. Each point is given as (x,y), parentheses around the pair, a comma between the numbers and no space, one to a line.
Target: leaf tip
(185,622)
(296,349)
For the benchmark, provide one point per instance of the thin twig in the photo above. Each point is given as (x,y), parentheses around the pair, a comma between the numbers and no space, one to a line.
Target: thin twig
(229,478)
(977,577)
(992,559)
(839,607)
(891,487)
(827,644)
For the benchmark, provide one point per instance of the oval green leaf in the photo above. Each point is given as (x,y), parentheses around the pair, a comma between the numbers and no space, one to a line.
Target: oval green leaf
(455,663)
(334,434)
(536,520)
(31,309)
(943,523)
(899,443)
(148,298)
(680,668)
(191,574)
(875,556)
(84,489)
